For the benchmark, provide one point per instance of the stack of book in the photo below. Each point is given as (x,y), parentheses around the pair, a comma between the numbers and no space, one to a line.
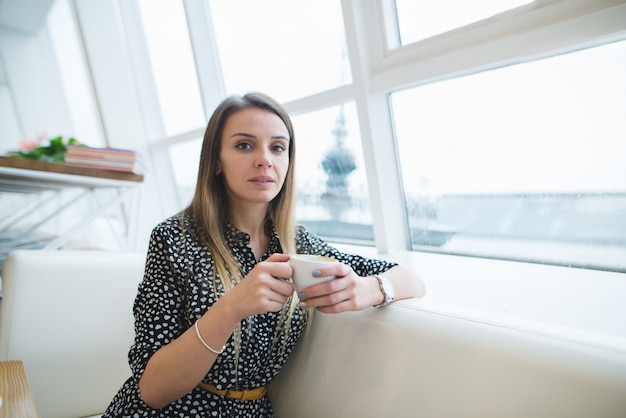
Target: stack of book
(114,159)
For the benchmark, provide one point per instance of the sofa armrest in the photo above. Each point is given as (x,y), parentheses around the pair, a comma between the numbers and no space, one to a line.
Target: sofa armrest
(68,316)
(404,361)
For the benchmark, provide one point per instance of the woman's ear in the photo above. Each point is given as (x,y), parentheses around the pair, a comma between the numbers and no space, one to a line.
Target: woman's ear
(218,169)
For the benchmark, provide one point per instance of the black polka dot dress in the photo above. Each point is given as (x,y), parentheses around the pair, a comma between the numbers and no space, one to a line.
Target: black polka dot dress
(178,288)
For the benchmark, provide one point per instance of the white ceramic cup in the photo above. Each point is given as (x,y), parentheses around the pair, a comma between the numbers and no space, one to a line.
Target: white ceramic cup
(304,265)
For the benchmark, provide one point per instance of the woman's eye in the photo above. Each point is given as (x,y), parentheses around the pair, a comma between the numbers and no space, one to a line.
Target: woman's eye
(243,146)
(278,148)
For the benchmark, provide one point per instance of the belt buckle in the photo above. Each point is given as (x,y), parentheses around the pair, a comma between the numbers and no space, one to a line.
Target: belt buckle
(235,394)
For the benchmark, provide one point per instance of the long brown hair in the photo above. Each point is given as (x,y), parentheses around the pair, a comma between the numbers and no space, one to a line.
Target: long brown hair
(210,206)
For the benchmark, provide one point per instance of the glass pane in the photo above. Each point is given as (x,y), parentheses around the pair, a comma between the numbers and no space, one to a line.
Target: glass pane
(419,20)
(173,66)
(185,158)
(280,47)
(331,181)
(73,71)
(523,162)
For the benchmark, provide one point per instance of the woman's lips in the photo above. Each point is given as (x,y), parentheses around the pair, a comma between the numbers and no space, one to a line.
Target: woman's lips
(262,180)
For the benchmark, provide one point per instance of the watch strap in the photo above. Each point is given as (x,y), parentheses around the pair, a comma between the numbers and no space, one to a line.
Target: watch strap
(381,284)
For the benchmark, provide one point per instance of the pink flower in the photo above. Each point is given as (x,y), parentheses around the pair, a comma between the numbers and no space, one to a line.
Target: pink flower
(27,145)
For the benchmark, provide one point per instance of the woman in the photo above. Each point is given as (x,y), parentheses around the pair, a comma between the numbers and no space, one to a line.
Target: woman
(216,315)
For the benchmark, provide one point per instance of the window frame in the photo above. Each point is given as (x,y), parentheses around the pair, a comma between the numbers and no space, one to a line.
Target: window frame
(560,26)
(530,32)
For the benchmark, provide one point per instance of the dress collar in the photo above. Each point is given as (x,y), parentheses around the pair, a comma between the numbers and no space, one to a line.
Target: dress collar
(239,239)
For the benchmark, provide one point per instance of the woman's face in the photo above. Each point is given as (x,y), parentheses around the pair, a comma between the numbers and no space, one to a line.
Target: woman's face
(254,156)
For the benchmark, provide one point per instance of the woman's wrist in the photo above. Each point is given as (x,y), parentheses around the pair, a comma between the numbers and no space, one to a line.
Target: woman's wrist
(226,312)
(377,295)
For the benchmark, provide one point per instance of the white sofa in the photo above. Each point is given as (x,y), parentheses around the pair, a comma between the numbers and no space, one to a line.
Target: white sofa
(68,316)
(403,361)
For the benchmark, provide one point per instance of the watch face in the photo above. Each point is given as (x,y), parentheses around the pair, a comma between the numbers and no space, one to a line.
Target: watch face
(389,290)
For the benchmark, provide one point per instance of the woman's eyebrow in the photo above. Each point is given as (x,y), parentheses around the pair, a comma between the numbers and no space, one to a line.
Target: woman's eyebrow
(247,135)
(242,134)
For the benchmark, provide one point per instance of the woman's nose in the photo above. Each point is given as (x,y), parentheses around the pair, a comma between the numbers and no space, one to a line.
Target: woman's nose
(263,159)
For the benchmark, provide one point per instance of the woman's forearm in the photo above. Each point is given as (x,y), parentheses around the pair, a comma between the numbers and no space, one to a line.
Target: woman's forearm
(407,283)
(175,369)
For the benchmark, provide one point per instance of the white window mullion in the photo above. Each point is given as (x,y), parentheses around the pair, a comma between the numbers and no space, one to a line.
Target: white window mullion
(366,48)
(205,53)
(149,105)
(531,33)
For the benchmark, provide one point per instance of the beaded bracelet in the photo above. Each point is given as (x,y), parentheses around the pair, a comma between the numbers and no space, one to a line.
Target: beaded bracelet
(204,342)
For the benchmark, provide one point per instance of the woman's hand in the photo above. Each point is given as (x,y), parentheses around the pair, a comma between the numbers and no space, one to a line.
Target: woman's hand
(347,292)
(264,289)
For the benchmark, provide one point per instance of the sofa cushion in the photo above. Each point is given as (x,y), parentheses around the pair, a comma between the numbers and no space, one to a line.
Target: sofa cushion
(405,361)
(68,316)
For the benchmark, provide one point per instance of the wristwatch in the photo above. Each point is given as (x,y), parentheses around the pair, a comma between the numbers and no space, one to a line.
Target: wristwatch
(387,289)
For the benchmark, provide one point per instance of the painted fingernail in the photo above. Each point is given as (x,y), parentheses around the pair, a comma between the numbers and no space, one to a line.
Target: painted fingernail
(301,296)
(316,273)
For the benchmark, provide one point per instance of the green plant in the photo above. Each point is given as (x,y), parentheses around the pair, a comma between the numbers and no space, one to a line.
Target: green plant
(53,152)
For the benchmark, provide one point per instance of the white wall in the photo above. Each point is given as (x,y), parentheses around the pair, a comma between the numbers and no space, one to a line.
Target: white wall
(34,86)
(9,127)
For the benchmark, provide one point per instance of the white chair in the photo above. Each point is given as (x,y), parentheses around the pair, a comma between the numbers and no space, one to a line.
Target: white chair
(68,316)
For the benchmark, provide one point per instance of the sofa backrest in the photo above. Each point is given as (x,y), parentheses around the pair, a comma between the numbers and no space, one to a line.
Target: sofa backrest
(404,361)
(68,316)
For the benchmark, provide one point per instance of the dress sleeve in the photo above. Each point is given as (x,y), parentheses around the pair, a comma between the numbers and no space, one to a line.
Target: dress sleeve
(309,243)
(160,299)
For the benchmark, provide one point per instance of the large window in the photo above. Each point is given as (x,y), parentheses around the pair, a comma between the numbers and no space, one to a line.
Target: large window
(418,20)
(77,88)
(520,161)
(524,162)
(330,173)
(185,157)
(173,65)
(287,49)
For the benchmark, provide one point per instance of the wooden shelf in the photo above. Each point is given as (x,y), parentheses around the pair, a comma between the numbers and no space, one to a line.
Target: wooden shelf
(23,175)
(48,183)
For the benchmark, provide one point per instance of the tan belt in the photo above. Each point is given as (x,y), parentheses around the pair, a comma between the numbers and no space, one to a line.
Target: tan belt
(242,395)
